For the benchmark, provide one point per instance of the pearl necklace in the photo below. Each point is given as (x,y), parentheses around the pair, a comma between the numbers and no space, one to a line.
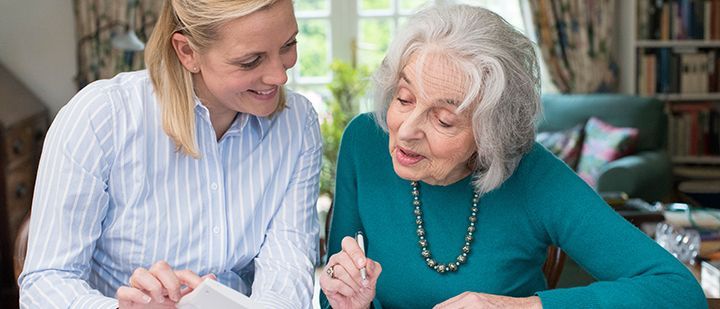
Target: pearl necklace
(424,244)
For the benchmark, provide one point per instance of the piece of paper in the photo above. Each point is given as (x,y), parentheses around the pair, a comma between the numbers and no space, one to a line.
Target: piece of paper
(705,218)
(213,294)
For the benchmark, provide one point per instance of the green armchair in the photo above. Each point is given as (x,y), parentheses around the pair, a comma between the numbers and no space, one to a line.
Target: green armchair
(647,173)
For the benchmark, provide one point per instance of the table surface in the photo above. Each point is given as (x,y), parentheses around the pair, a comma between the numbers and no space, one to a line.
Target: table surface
(712,302)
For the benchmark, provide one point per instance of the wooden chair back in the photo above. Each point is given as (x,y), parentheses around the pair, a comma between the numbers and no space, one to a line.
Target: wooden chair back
(553,266)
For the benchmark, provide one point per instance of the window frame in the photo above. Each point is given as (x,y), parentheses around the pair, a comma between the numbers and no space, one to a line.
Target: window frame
(344,20)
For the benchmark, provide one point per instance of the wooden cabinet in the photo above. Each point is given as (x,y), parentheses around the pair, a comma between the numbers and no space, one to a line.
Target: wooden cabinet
(23,123)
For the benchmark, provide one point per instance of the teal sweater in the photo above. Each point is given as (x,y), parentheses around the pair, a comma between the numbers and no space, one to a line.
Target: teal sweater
(543,203)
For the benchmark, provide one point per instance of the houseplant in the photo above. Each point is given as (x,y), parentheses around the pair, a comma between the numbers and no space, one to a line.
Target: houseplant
(347,87)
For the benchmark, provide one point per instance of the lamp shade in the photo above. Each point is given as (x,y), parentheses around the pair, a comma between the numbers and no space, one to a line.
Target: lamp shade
(128,41)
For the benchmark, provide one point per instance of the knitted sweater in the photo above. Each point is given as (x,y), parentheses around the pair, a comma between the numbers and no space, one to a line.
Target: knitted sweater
(543,203)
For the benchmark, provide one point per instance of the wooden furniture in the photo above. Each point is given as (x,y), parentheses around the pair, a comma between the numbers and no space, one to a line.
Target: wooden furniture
(675,57)
(23,123)
(553,266)
(713,303)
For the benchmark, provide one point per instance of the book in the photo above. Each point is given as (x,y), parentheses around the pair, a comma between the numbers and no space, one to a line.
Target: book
(213,294)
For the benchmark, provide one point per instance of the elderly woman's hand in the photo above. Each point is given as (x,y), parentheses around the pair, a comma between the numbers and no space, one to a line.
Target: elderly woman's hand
(158,287)
(481,300)
(342,282)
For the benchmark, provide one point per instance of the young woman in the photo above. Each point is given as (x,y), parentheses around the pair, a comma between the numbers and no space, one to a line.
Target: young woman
(203,165)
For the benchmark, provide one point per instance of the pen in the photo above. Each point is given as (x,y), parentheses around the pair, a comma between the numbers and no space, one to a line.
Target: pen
(360,238)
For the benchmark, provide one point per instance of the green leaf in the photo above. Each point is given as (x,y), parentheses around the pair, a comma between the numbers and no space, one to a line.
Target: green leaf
(347,87)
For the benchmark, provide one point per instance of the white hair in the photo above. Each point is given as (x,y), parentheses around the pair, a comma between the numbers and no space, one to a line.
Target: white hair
(503,94)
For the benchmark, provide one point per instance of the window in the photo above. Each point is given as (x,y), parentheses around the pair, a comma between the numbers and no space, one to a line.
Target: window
(359,31)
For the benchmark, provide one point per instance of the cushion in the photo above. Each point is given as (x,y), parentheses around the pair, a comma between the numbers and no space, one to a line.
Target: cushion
(603,143)
(565,144)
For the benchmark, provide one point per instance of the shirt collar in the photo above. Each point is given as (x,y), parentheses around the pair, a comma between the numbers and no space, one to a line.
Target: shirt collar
(260,124)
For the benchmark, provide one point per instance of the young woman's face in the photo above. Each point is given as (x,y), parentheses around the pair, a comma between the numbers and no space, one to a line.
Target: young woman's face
(429,140)
(245,70)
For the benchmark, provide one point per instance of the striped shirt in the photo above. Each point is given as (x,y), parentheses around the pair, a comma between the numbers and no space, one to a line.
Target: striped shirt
(112,195)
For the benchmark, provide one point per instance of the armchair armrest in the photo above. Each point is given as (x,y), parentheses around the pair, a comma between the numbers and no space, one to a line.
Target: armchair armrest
(646,175)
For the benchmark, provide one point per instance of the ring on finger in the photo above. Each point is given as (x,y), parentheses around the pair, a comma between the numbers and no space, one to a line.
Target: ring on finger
(330,271)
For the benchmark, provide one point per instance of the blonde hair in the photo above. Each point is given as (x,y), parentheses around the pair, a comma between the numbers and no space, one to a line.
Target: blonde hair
(503,95)
(200,21)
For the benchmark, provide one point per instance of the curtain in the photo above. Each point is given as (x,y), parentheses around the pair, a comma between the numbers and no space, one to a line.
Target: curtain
(576,41)
(96,23)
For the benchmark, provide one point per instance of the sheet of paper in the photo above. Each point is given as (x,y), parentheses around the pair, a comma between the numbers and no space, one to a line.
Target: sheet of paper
(213,294)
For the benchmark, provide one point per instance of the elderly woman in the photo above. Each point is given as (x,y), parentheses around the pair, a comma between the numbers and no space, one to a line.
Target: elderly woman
(457,201)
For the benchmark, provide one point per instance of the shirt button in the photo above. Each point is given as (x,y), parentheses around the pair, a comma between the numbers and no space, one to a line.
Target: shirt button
(214,186)
(216,230)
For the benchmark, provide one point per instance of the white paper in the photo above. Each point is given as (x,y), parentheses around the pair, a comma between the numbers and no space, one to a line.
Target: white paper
(213,294)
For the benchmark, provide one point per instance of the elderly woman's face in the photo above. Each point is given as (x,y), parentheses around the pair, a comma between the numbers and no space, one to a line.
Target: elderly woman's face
(429,140)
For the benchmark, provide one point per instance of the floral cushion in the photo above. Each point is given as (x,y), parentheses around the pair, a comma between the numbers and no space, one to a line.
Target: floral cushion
(566,144)
(603,143)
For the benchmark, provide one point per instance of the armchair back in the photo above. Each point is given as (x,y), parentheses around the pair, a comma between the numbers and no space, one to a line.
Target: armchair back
(562,111)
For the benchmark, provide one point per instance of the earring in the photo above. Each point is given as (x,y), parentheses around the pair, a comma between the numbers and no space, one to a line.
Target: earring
(195,70)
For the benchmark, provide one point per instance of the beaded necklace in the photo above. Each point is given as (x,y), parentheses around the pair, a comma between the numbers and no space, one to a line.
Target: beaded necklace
(424,244)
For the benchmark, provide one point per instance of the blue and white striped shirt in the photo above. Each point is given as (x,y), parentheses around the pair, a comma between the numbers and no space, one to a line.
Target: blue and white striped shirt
(112,195)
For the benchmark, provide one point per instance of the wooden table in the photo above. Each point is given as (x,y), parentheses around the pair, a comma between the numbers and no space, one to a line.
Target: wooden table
(712,302)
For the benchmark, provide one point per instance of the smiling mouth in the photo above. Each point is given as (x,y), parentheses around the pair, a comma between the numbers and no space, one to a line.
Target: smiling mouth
(264,92)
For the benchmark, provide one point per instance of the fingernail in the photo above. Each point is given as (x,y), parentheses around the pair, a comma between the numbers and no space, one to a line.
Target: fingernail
(213,277)
(147,299)
(161,300)
(175,297)
(361,261)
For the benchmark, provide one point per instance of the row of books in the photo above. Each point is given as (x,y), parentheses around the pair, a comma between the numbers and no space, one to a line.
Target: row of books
(678,70)
(694,129)
(678,19)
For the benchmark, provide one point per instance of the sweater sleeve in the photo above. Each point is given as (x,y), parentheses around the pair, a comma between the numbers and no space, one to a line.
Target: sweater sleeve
(632,271)
(345,218)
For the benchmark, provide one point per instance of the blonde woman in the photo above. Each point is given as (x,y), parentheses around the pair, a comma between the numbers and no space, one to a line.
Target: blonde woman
(203,165)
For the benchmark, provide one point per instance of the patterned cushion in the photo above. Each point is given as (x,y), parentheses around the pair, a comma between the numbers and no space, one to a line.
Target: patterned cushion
(603,143)
(566,144)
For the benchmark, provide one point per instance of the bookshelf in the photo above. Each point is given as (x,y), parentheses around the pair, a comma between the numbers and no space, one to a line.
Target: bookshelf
(676,58)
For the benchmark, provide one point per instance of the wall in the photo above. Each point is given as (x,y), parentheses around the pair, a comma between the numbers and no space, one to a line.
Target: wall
(37,44)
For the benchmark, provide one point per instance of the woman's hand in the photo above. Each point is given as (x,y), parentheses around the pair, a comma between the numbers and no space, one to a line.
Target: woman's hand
(481,300)
(158,287)
(341,281)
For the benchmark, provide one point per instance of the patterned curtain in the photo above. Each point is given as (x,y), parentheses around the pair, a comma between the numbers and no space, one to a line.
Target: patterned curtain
(576,40)
(97,22)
